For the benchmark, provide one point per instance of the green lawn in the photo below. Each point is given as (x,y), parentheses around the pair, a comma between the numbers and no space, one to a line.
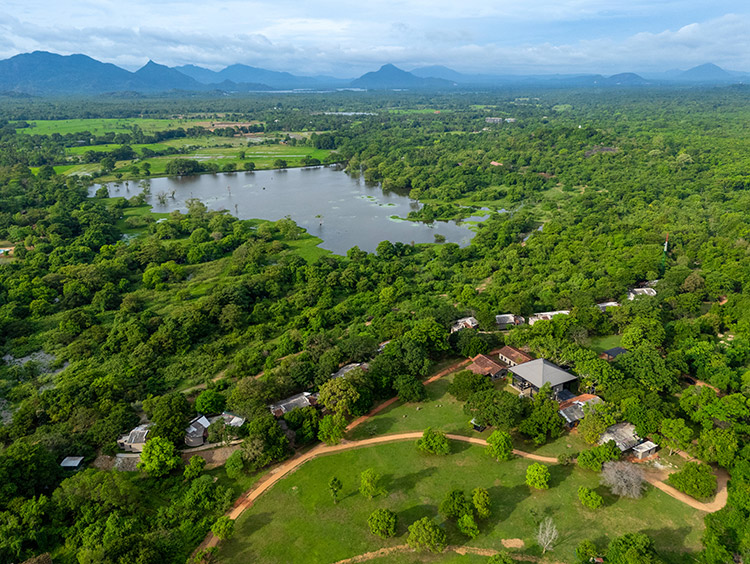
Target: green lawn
(440,411)
(296,521)
(102,126)
(601,344)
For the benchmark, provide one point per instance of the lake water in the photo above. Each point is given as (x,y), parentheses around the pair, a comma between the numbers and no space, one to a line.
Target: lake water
(351,211)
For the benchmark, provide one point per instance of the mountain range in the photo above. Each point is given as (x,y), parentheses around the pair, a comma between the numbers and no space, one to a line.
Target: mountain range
(42,74)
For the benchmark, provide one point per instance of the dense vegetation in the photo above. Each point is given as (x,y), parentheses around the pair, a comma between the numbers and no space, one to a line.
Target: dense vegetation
(594,184)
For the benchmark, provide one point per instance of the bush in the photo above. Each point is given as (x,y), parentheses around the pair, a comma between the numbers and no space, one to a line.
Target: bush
(696,480)
(234,465)
(455,505)
(466,383)
(468,526)
(480,497)
(223,528)
(369,485)
(382,523)
(210,402)
(434,442)
(500,445)
(595,457)
(537,476)
(425,534)
(589,498)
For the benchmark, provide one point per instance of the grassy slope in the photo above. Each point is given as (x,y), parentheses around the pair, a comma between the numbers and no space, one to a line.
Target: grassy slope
(297,522)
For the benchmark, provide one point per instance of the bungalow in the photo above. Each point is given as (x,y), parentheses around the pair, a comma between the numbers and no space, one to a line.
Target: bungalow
(547,315)
(305,399)
(534,374)
(635,292)
(508,320)
(482,364)
(610,354)
(197,431)
(134,441)
(464,323)
(512,356)
(604,306)
(623,434)
(572,410)
(644,450)
(72,462)
(343,371)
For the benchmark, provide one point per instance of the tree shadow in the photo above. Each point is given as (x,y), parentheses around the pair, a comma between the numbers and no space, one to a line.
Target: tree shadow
(252,523)
(558,473)
(414,513)
(504,502)
(459,446)
(670,542)
(406,482)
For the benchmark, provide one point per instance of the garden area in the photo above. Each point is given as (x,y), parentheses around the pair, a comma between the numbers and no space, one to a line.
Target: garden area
(298,520)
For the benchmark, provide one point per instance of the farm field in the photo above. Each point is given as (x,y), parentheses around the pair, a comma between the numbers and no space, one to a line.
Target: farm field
(105,125)
(296,521)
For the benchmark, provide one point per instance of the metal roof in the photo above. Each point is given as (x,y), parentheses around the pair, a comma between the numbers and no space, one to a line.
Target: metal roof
(541,371)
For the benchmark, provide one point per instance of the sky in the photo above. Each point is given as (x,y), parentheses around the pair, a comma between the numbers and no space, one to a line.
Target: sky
(347,38)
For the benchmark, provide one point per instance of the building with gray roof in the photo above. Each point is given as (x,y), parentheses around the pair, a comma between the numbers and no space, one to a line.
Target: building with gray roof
(530,376)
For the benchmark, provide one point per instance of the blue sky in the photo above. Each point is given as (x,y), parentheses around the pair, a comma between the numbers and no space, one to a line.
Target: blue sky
(346,39)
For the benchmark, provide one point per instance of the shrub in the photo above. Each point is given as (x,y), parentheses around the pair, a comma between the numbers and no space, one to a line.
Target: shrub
(382,523)
(234,465)
(500,445)
(455,505)
(537,476)
(480,497)
(623,479)
(466,383)
(468,526)
(696,480)
(425,534)
(589,498)
(595,457)
(369,484)
(223,528)
(434,442)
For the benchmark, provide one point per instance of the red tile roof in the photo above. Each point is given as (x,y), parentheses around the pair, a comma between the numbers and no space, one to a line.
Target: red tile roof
(515,355)
(483,364)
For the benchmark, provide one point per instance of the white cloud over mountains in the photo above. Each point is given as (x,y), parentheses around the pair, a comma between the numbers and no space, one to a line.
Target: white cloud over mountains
(333,37)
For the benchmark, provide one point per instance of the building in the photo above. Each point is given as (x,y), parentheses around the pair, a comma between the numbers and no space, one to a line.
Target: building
(197,431)
(604,306)
(72,462)
(512,356)
(134,441)
(611,354)
(572,410)
(493,120)
(343,371)
(547,315)
(530,376)
(623,434)
(230,419)
(635,292)
(482,364)
(644,450)
(506,320)
(305,399)
(464,323)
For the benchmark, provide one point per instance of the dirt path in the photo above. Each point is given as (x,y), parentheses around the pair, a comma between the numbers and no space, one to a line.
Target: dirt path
(462,550)
(719,501)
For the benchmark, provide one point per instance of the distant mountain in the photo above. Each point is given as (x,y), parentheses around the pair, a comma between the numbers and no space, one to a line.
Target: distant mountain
(626,79)
(708,72)
(391,77)
(42,73)
(439,71)
(160,77)
(244,74)
(47,73)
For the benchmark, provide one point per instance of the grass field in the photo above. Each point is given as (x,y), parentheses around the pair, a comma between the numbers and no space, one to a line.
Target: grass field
(296,521)
(102,126)
(601,344)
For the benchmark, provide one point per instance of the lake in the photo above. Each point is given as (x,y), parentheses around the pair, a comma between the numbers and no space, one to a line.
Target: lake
(343,211)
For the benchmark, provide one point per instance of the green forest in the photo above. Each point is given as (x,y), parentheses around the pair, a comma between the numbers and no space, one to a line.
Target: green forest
(198,312)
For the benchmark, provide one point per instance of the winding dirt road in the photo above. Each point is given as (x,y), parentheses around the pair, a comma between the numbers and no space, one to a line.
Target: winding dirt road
(246,501)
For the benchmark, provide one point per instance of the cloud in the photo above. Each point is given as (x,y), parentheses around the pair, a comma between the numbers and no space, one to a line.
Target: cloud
(328,36)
